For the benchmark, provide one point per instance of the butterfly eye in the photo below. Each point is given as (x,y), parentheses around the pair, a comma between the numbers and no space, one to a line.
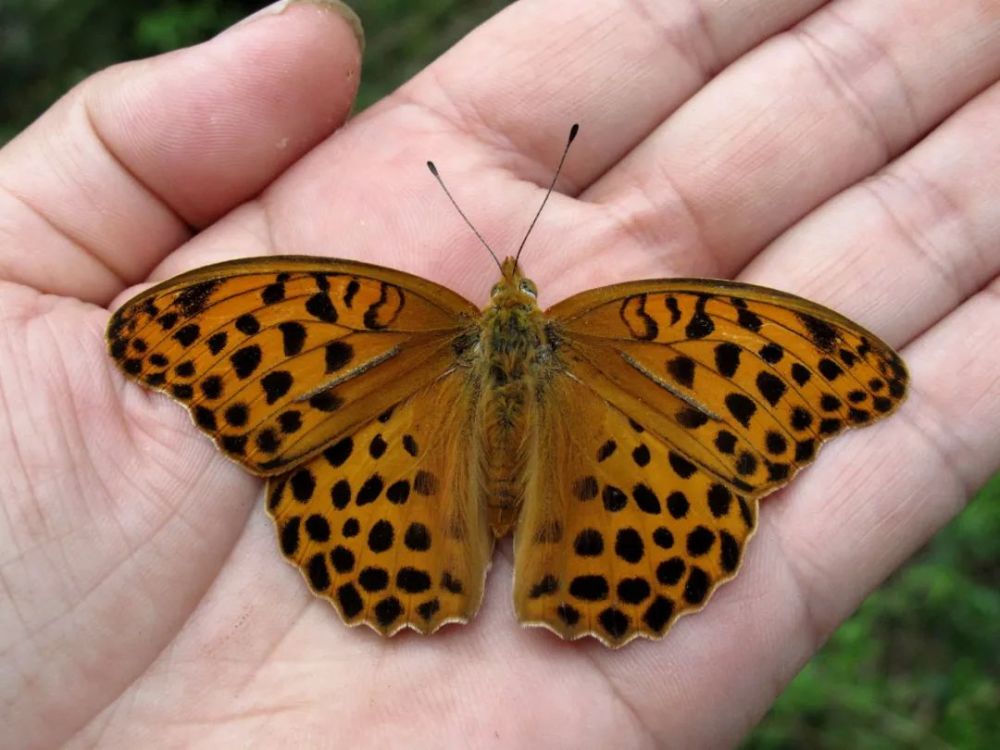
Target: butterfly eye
(496,290)
(528,287)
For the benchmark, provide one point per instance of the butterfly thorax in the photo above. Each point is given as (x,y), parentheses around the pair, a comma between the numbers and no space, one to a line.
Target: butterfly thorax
(511,366)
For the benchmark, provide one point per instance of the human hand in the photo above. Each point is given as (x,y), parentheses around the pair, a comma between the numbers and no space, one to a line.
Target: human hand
(853,160)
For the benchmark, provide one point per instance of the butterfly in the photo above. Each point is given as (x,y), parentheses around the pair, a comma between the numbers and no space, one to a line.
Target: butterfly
(625,436)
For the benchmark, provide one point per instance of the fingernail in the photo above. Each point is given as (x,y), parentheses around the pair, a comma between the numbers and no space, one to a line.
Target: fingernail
(335,6)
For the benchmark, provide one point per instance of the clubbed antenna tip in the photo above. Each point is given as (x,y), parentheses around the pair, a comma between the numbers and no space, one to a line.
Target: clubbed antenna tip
(572,134)
(434,171)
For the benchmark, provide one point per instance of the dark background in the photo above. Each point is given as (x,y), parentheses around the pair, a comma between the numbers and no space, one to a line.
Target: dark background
(917,666)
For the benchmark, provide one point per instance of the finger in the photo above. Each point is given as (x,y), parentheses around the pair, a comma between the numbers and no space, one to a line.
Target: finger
(901,250)
(642,58)
(805,115)
(115,174)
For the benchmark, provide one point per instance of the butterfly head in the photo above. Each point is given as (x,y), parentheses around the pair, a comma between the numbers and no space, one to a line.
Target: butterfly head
(513,289)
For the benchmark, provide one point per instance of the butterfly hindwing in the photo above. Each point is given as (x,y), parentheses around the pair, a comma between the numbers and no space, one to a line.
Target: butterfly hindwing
(277,357)
(388,523)
(620,534)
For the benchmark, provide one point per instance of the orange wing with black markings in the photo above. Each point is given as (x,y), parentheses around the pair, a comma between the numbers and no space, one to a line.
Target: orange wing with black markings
(338,380)
(631,431)
(682,403)
(277,357)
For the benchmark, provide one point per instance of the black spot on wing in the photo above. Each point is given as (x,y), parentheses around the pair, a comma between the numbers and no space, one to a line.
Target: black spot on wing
(770,387)
(673,308)
(247,324)
(701,324)
(321,307)
(822,334)
(748,320)
(194,299)
(727,359)
(352,289)
(217,342)
(682,370)
(293,336)
(741,407)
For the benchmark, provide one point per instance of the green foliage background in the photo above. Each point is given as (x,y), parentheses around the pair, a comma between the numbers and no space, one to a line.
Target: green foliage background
(917,666)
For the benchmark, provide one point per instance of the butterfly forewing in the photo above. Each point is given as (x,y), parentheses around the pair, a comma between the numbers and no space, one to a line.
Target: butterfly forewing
(746,381)
(277,357)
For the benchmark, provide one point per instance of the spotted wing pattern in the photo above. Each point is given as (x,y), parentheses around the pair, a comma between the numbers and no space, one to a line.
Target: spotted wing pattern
(685,401)
(745,381)
(278,357)
(622,533)
(389,522)
(671,409)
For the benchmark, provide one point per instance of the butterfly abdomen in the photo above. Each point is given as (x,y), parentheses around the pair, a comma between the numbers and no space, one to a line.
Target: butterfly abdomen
(509,372)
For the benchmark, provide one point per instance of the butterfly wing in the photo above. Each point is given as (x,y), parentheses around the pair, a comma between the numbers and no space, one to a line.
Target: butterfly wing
(280,356)
(338,380)
(389,522)
(683,402)
(619,534)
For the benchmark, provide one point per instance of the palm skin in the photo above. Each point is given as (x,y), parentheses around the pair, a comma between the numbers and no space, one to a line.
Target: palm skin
(844,151)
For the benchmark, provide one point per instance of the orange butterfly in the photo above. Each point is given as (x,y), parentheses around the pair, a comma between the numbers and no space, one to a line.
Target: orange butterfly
(625,435)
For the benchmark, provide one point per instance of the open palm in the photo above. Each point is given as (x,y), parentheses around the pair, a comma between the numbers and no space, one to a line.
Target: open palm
(848,152)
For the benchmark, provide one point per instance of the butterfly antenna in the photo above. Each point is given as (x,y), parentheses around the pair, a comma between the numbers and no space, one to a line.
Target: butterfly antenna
(572,134)
(434,171)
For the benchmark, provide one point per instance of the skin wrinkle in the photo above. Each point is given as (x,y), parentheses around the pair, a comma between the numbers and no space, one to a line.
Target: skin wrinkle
(938,446)
(19,458)
(826,61)
(948,208)
(813,623)
(633,223)
(913,238)
(246,715)
(70,432)
(23,200)
(691,37)
(462,121)
(620,698)
(113,699)
(844,91)
(43,548)
(817,624)
(258,669)
(149,539)
(9,598)
(263,207)
(103,719)
(88,118)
